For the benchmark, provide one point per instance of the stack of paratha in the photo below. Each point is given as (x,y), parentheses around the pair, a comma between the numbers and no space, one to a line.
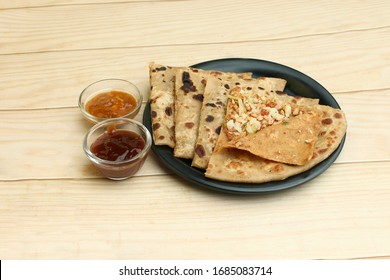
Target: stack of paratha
(239,128)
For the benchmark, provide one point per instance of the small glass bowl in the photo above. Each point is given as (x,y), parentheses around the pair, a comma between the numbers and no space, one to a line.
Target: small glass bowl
(117,170)
(105,86)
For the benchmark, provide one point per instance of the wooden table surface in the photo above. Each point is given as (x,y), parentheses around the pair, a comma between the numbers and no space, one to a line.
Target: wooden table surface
(54,205)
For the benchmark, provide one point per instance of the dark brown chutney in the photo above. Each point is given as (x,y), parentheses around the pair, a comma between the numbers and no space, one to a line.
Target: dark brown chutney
(118,145)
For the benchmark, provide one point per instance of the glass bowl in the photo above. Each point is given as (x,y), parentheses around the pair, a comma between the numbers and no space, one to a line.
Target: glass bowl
(113,147)
(110,86)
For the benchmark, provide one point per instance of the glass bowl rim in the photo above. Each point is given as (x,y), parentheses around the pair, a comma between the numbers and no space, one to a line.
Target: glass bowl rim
(95,119)
(145,150)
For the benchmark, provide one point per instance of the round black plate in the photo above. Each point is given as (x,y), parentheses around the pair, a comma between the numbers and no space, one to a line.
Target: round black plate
(297,84)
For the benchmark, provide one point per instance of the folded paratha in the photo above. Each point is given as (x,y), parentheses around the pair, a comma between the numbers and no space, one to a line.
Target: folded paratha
(213,110)
(162,86)
(189,88)
(251,109)
(236,165)
(291,141)
(212,113)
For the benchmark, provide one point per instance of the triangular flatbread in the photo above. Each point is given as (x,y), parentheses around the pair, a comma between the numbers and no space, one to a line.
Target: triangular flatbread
(162,87)
(235,165)
(189,88)
(291,141)
(218,88)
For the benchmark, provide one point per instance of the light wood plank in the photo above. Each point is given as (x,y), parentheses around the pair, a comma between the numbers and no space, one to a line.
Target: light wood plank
(367,137)
(21,4)
(342,62)
(142,217)
(182,22)
(376,258)
(44,144)
(48,144)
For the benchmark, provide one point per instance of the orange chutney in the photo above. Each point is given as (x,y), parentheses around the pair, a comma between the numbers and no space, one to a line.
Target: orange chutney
(111,104)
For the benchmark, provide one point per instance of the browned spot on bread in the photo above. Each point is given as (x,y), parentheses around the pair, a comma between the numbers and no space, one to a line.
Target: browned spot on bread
(161,68)
(203,81)
(227,86)
(332,132)
(156,126)
(161,137)
(327,121)
(198,97)
(168,111)
(322,133)
(277,168)
(188,85)
(234,164)
(200,151)
(314,156)
(209,118)
(338,115)
(189,124)
(322,150)
(154,114)
(211,105)
(218,130)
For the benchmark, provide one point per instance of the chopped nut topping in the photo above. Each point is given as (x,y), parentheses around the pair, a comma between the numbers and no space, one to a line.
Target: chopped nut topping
(252,112)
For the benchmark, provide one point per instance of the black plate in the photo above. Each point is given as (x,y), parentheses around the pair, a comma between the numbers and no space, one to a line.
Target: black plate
(297,84)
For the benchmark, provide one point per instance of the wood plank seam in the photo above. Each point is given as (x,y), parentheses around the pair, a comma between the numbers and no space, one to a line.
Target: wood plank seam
(309,35)
(87,4)
(168,174)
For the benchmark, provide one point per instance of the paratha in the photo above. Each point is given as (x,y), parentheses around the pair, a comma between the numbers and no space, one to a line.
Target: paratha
(162,86)
(189,88)
(213,110)
(251,109)
(291,141)
(235,165)
(212,113)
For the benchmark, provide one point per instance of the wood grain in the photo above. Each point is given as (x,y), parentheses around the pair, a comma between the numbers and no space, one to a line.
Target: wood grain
(48,80)
(54,205)
(20,4)
(38,140)
(133,24)
(142,217)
